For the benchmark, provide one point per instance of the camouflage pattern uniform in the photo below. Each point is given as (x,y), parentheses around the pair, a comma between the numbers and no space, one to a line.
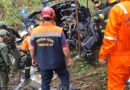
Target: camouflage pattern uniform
(13,49)
(4,62)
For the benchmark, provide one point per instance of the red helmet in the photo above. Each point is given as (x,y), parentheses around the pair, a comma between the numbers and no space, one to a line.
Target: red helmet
(48,12)
(124,0)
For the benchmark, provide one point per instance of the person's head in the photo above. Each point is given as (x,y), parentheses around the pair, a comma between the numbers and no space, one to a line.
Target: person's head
(3,25)
(96,4)
(48,14)
(23,34)
(3,35)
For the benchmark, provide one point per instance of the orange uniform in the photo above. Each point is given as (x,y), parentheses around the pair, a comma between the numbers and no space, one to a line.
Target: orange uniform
(116,45)
(26,44)
(25,48)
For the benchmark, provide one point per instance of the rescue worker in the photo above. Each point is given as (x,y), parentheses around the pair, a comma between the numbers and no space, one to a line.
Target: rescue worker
(106,10)
(13,48)
(97,7)
(25,48)
(99,19)
(101,16)
(4,60)
(116,46)
(10,30)
(49,50)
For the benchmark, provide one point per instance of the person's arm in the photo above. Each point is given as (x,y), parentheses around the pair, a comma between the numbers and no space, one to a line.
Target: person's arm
(67,54)
(66,50)
(32,51)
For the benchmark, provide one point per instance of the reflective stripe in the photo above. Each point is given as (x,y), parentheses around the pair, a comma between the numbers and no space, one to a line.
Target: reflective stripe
(46,35)
(110,38)
(106,20)
(27,67)
(123,8)
(102,30)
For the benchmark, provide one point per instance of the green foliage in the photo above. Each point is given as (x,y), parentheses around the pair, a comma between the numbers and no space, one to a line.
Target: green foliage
(9,9)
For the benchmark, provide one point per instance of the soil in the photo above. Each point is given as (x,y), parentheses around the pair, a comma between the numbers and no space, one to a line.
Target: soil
(82,76)
(87,77)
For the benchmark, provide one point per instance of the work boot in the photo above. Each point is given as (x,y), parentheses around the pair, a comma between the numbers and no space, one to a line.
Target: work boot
(27,73)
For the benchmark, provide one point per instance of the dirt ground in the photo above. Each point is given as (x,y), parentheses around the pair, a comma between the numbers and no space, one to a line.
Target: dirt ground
(82,76)
(87,77)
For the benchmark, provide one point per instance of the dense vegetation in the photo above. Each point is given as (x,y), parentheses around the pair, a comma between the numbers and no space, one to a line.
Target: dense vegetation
(9,9)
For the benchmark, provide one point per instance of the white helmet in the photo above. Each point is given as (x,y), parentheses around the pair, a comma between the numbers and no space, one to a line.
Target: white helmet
(23,33)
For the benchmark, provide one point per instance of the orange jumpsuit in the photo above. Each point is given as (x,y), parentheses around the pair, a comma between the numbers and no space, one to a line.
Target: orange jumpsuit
(116,45)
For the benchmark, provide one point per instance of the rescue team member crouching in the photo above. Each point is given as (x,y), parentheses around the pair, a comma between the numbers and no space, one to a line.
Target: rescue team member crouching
(116,45)
(49,49)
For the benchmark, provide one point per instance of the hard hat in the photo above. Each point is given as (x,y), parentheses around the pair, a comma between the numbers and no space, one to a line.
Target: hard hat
(23,33)
(3,32)
(48,12)
(112,1)
(3,25)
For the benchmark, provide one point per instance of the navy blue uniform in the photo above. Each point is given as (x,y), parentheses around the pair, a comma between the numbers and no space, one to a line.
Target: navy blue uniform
(48,41)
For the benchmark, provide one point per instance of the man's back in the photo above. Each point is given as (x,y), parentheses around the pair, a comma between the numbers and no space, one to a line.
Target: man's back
(49,49)
(47,39)
(119,26)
